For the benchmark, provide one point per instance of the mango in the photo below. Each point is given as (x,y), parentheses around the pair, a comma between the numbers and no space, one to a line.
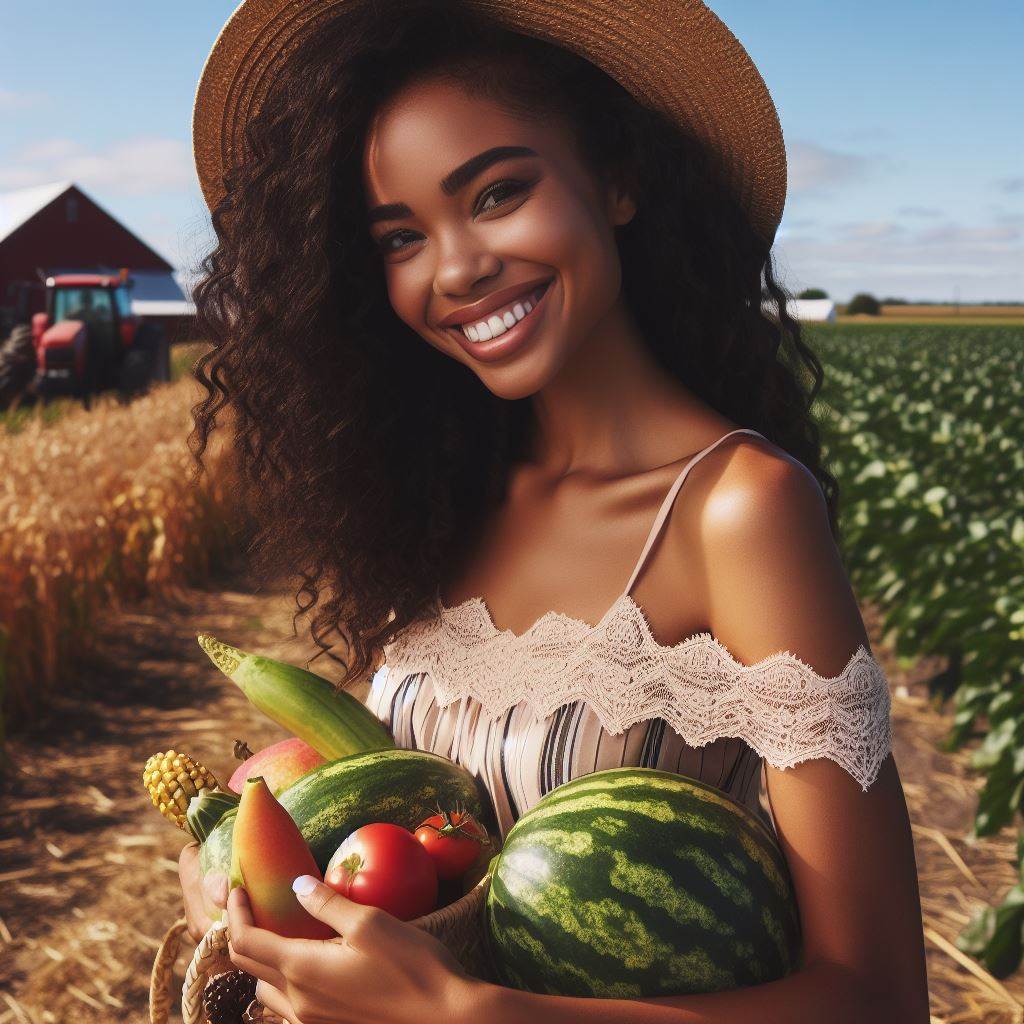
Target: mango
(280,764)
(267,854)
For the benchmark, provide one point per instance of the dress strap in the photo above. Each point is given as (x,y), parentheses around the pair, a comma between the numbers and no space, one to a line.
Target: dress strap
(670,497)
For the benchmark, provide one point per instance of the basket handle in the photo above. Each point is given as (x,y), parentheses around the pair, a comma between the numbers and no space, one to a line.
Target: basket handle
(211,957)
(162,975)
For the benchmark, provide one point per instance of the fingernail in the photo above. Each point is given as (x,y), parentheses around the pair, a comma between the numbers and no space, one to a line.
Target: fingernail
(303,885)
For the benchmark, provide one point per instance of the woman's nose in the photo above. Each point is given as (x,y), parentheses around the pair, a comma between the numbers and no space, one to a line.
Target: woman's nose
(461,265)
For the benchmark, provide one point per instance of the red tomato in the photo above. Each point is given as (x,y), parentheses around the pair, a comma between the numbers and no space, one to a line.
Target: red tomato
(382,865)
(453,840)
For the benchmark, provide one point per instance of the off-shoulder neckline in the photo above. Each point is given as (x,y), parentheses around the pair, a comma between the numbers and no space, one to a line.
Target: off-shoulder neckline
(478,604)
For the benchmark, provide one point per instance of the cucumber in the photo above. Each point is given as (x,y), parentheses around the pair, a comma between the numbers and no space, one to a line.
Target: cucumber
(334,723)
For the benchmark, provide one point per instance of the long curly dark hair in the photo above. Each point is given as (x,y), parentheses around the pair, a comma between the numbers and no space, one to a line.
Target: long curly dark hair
(372,459)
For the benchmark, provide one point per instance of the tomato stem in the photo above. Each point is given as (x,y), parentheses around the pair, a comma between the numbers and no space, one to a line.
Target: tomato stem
(352,863)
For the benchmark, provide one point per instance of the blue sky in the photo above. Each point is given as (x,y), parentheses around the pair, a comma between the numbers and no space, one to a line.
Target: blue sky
(903,122)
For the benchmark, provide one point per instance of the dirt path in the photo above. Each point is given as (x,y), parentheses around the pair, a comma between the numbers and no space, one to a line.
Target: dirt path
(88,868)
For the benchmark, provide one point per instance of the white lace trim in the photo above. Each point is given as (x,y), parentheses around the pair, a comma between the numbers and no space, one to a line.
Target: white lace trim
(780,706)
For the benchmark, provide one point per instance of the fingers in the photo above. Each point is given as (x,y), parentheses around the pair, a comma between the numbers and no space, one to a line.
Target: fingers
(197,919)
(215,885)
(348,918)
(258,970)
(275,1001)
(254,950)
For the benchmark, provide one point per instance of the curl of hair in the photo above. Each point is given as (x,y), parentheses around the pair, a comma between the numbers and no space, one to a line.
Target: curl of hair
(372,460)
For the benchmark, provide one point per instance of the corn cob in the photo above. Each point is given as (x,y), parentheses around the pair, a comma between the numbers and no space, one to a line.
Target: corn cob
(172,780)
(331,721)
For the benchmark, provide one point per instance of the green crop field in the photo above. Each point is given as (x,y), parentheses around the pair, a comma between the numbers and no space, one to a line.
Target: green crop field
(924,431)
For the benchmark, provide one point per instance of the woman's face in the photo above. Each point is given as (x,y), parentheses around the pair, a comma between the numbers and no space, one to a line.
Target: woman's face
(472,243)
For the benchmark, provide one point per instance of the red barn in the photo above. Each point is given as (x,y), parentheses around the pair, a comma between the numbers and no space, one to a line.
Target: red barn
(57,228)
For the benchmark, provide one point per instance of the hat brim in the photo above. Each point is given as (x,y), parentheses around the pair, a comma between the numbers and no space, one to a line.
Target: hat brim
(675,55)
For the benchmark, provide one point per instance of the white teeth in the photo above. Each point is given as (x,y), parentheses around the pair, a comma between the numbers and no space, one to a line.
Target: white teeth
(498,323)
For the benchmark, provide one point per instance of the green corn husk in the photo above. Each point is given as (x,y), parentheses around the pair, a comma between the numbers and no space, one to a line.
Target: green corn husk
(206,810)
(332,722)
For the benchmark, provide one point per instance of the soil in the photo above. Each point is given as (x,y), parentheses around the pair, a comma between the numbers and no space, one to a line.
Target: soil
(88,867)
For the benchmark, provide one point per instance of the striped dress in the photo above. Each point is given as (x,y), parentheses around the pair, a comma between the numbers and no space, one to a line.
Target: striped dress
(526,713)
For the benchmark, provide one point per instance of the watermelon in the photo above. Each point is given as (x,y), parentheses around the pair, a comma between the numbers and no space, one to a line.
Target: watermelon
(634,882)
(215,851)
(329,803)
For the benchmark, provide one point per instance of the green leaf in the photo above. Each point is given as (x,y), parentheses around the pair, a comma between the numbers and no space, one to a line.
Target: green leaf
(977,932)
(1003,951)
(870,471)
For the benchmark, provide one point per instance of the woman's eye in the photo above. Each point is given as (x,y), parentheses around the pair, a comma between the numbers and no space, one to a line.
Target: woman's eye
(507,188)
(385,242)
(501,192)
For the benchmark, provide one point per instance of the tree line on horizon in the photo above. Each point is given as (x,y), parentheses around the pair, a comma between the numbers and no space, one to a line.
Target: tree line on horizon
(866,303)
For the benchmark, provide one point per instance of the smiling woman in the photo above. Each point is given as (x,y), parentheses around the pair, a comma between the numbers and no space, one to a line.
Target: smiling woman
(480,307)
(526,215)
(341,270)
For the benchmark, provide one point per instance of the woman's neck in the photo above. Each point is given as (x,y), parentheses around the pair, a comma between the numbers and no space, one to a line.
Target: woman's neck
(611,410)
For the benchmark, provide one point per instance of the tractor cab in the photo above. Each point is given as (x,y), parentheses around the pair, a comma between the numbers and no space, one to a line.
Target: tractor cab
(88,340)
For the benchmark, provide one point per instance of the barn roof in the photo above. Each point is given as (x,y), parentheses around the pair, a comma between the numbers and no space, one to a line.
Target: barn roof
(20,206)
(23,204)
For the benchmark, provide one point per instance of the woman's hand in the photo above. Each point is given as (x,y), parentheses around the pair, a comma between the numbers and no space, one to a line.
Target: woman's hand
(199,894)
(378,969)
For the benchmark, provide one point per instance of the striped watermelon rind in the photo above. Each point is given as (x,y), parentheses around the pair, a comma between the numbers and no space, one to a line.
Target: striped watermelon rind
(400,786)
(636,882)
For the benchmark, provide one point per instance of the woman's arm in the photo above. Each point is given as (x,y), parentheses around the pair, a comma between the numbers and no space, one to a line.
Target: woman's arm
(775,583)
(823,994)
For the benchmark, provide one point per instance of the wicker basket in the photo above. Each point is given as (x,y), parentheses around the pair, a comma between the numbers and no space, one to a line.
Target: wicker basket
(459,925)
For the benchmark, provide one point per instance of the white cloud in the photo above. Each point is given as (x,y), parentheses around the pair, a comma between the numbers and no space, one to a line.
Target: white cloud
(146,165)
(11,100)
(813,168)
(956,233)
(982,261)
(1011,185)
(871,229)
(926,212)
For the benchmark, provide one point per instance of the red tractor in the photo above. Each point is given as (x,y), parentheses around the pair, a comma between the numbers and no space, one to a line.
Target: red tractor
(89,341)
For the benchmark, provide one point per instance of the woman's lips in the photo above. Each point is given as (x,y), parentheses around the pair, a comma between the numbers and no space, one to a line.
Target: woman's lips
(511,340)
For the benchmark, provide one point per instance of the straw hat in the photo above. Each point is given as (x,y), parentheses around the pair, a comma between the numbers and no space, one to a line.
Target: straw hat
(674,55)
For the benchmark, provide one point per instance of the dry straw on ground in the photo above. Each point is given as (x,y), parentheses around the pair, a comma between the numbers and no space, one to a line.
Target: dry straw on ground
(95,510)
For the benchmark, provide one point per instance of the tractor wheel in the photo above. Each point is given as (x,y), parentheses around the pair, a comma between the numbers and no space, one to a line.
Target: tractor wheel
(162,358)
(134,375)
(148,360)
(17,364)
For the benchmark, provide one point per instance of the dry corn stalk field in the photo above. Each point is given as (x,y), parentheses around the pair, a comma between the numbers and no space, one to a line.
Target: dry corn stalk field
(97,509)
(113,577)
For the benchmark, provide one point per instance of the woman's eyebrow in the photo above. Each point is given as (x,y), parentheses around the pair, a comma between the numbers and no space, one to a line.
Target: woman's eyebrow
(457,179)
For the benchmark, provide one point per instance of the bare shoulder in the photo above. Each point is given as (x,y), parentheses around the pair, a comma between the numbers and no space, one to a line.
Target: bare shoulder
(773,575)
(749,475)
